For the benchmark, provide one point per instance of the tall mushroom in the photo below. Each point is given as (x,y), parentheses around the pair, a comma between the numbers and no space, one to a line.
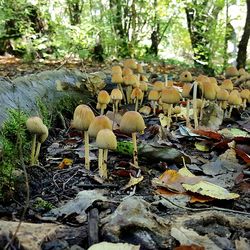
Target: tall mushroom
(35,127)
(116,97)
(132,122)
(186,95)
(136,95)
(154,97)
(83,116)
(105,140)
(41,139)
(99,123)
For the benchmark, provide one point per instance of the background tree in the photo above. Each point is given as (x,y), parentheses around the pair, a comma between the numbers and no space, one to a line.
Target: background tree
(242,52)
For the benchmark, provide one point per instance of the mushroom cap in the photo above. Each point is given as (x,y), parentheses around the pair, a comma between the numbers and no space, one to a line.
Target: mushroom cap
(242,71)
(98,123)
(213,80)
(35,125)
(186,76)
(131,80)
(231,72)
(117,78)
(222,94)
(132,122)
(209,91)
(186,90)
(159,85)
(170,83)
(245,93)
(127,71)
(103,97)
(170,95)
(83,116)
(106,139)
(144,78)
(227,84)
(153,95)
(42,137)
(234,99)
(137,93)
(139,68)
(116,94)
(130,63)
(116,69)
(143,86)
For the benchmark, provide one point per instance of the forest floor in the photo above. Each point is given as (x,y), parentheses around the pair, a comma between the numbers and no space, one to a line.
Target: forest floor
(147,206)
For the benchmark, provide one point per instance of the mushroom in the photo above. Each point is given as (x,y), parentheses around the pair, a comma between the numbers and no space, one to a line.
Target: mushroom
(82,117)
(99,123)
(154,97)
(136,95)
(118,79)
(186,76)
(130,63)
(127,71)
(227,84)
(231,72)
(234,100)
(144,88)
(245,93)
(116,69)
(103,99)
(132,122)
(186,95)
(35,126)
(130,81)
(222,97)
(41,139)
(116,97)
(105,140)
(170,96)
(139,68)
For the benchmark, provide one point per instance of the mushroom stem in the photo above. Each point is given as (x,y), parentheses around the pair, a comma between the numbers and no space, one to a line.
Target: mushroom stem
(230,111)
(170,106)
(154,107)
(123,95)
(201,109)
(114,108)
(135,151)
(244,104)
(38,147)
(102,109)
(196,124)
(142,98)
(104,165)
(128,93)
(33,149)
(100,161)
(86,149)
(136,104)
(187,113)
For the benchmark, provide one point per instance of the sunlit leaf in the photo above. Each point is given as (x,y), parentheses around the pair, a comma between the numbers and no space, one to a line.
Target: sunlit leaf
(133,181)
(65,162)
(201,146)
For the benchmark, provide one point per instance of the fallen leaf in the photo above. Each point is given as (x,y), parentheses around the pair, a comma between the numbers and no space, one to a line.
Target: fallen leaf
(65,162)
(189,247)
(208,133)
(173,181)
(163,120)
(207,188)
(244,156)
(200,198)
(133,181)
(202,146)
(233,132)
(113,246)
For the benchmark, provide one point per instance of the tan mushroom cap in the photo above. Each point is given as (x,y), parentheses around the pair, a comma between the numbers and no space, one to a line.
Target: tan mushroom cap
(137,93)
(227,84)
(242,71)
(132,122)
(43,136)
(117,78)
(83,116)
(186,90)
(153,95)
(144,78)
(131,80)
(99,122)
(234,99)
(127,71)
(116,69)
(170,95)
(222,94)
(116,94)
(186,76)
(245,93)
(140,68)
(231,71)
(35,125)
(130,63)
(209,91)
(159,85)
(106,139)
(143,86)
(103,97)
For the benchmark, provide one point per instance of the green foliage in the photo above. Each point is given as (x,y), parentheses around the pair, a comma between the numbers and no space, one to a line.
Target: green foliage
(13,136)
(41,204)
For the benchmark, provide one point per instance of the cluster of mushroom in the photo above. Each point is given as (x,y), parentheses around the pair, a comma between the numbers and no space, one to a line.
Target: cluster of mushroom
(100,128)
(224,92)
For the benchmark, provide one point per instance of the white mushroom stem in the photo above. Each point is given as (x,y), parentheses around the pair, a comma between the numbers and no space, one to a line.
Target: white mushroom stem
(244,104)
(123,95)
(104,165)
(196,124)
(86,150)
(135,151)
(201,109)
(116,105)
(128,93)
(38,147)
(100,161)
(102,108)
(142,98)
(33,149)
(170,106)
(230,111)
(136,104)
(187,113)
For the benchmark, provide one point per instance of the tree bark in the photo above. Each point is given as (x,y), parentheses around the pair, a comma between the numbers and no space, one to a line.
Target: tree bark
(242,52)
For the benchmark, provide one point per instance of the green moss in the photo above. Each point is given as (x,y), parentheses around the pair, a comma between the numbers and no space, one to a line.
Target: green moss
(41,204)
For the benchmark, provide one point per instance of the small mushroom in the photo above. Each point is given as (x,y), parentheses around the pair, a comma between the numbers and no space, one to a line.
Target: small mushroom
(41,139)
(105,140)
(132,122)
(245,93)
(136,95)
(186,76)
(234,100)
(103,99)
(83,116)
(35,127)
(116,97)
(154,97)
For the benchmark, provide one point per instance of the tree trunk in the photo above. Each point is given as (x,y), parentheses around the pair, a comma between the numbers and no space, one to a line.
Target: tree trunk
(242,52)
